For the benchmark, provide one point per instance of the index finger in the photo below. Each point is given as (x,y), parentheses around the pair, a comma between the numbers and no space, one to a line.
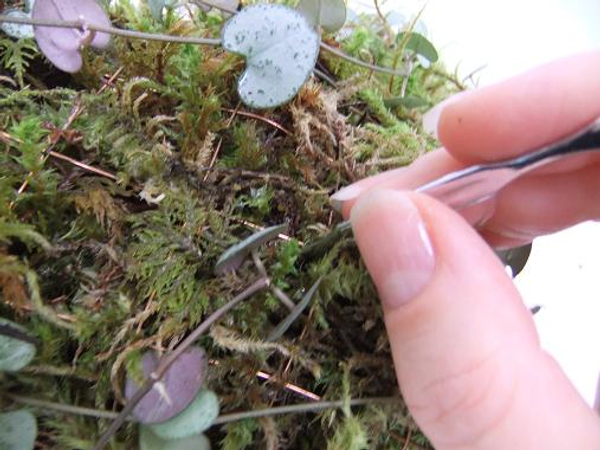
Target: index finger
(523,113)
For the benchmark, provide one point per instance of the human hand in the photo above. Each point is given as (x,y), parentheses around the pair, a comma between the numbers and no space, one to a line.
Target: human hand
(467,356)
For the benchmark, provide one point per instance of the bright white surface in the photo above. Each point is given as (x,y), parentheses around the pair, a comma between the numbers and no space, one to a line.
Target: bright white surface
(505,38)
(563,275)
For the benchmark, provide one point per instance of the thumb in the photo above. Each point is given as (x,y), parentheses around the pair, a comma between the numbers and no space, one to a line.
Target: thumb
(466,353)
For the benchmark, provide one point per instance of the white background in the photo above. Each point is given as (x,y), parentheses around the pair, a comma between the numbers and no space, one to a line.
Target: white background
(505,38)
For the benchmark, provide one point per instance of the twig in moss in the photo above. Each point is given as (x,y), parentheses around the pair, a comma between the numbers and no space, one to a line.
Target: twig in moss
(290,387)
(84,25)
(8,80)
(213,160)
(281,296)
(470,76)
(168,359)
(453,79)
(82,165)
(259,117)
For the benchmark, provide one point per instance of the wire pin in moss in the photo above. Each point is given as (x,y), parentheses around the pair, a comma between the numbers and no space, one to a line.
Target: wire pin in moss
(233,257)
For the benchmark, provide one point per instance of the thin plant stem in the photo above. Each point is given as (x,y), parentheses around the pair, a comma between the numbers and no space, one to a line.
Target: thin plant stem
(301,408)
(402,45)
(15,333)
(260,118)
(170,358)
(298,408)
(358,62)
(82,165)
(322,75)
(82,24)
(409,68)
(68,409)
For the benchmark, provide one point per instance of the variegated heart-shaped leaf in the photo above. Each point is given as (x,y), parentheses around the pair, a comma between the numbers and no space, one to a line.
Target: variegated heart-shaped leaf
(280,48)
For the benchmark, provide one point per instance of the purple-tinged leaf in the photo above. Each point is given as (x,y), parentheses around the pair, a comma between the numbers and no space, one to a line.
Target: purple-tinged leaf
(175,391)
(62,45)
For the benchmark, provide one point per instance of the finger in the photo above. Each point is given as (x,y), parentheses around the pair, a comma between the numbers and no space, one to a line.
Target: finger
(430,166)
(466,353)
(546,201)
(524,112)
(542,204)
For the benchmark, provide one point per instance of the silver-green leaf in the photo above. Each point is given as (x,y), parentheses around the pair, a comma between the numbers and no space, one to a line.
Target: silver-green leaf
(328,14)
(150,441)
(233,257)
(420,45)
(195,419)
(280,48)
(17,30)
(14,353)
(18,430)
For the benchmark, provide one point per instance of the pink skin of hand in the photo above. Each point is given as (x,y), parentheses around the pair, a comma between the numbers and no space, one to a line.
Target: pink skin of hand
(466,353)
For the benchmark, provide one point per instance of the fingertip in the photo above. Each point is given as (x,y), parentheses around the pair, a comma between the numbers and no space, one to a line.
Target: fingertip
(525,112)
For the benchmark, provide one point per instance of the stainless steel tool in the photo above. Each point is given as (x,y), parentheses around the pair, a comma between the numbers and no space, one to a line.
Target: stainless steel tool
(476,184)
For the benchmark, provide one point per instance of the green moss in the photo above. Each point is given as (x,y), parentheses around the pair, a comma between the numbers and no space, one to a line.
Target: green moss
(102,269)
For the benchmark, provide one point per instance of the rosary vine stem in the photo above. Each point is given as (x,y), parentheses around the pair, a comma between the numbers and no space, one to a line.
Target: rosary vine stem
(82,24)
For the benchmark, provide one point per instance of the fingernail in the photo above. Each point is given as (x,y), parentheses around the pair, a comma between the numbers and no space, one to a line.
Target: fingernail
(352,191)
(431,118)
(343,195)
(395,245)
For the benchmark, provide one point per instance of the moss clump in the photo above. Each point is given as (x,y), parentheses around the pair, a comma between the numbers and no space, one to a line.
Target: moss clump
(134,189)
